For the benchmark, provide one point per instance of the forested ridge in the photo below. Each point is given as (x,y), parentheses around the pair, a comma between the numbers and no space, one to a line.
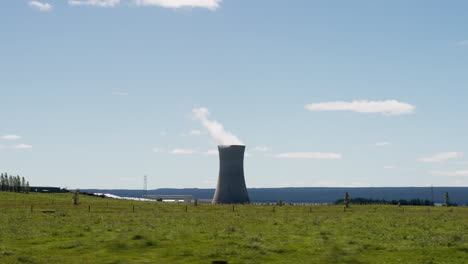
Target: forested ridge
(458,195)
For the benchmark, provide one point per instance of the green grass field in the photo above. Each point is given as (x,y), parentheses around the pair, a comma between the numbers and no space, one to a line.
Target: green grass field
(166,233)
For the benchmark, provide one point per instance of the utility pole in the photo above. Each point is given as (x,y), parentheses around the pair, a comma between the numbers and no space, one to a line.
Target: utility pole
(432,194)
(145,186)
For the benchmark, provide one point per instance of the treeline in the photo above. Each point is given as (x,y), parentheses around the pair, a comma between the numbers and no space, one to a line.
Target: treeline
(10,183)
(364,201)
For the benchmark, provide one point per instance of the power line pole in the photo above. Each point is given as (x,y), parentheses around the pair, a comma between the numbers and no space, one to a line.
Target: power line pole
(432,194)
(145,186)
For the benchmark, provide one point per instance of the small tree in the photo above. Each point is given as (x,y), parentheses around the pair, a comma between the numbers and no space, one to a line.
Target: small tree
(447,199)
(17,183)
(2,183)
(346,200)
(27,187)
(11,184)
(23,185)
(76,197)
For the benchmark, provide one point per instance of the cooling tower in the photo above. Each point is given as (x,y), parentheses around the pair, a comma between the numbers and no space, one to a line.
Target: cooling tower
(231,183)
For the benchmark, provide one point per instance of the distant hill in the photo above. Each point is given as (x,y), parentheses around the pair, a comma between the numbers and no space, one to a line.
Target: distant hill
(458,195)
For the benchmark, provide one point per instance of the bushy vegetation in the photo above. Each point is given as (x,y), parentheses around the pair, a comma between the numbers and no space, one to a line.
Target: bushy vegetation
(48,228)
(366,201)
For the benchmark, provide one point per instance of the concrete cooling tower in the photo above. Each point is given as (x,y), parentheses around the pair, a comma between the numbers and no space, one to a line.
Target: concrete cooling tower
(231,187)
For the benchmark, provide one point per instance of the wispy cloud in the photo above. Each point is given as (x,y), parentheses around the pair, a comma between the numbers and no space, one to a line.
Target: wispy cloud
(208,4)
(382,144)
(215,129)
(10,137)
(181,151)
(309,155)
(23,146)
(43,7)
(99,3)
(195,132)
(212,152)
(118,93)
(336,184)
(184,151)
(260,149)
(451,173)
(393,167)
(389,107)
(192,133)
(441,157)
(462,43)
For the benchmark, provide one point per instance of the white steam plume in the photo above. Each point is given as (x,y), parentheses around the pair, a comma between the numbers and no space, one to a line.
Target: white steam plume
(216,129)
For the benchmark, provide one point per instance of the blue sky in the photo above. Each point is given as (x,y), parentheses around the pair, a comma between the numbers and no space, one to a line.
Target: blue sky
(96,94)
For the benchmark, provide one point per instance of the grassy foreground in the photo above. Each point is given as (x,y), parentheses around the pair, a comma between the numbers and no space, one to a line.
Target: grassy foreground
(166,233)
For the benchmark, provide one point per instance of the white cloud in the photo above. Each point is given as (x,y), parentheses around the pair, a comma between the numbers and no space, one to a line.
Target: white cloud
(184,151)
(118,93)
(462,43)
(127,179)
(451,173)
(10,137)
(393,167)
(208,4)
(389,107)
(212,152)
(195,132)
(292,184)
(382,144)
(23,146)
(335,184)
(43,7)
(163,133)
(259,148)
(441,157)
(158,150)
(100,3)
(192,133)
(309,155)
(216,129)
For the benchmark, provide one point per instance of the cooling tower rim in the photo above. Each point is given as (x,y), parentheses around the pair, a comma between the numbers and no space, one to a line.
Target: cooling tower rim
(231,146)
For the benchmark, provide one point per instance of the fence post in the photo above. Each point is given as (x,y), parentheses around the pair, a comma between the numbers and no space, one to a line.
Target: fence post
(89,208)
(274,209)
(186,208)
(233,208)
(32,208)
(133,208)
